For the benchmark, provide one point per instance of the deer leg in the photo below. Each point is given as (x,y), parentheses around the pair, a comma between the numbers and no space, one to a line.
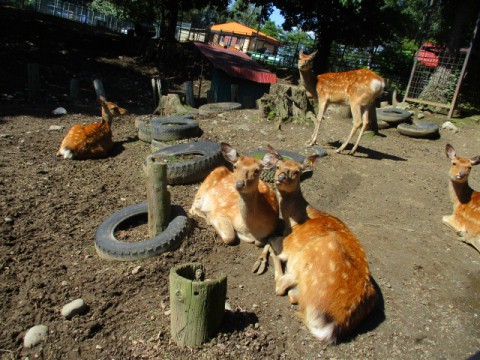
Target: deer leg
(262,262)
(224,227)
(322,107)
(365,122)
(283,281)
(357,122)
(293,296)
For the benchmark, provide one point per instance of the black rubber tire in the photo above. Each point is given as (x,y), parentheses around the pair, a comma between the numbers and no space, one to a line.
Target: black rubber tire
(419,130)
(216,108)
(174,128)
(108,247)
(393,115)
(145,133)
(268,175)
(194,170)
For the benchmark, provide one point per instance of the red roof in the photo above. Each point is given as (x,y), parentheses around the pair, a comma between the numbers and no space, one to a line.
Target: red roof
(236,64)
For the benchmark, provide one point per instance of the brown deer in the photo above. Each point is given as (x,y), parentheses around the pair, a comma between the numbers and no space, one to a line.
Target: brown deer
(91,141)
(465,219)
(326,269)
(359,88)
(237,204)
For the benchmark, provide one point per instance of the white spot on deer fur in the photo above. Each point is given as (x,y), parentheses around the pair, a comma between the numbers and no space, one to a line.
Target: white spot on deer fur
(332,265)
(344,275)
(331,245)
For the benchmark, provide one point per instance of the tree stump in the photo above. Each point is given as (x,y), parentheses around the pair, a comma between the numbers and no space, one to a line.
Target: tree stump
(170,104)
(197,305)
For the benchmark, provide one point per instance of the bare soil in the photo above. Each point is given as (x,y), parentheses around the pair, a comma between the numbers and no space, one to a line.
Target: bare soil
(392,194)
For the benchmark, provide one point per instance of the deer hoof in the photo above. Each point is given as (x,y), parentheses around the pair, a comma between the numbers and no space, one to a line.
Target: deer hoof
(260,266)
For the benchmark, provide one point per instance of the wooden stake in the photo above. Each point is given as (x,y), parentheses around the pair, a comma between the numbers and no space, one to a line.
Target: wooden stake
(158,197)
(197,306)
(99,90)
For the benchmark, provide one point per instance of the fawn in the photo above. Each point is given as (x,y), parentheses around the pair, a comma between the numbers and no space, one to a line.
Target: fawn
(238,203)
(89,141)
(465,219)
(359,88)
(326,269)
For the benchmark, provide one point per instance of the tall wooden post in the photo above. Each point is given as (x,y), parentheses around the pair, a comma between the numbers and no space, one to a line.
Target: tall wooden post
(158,197)
(99,90)
(189,99)
(197,305)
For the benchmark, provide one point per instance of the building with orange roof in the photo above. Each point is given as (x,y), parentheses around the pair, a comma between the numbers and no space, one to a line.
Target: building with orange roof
(233,35)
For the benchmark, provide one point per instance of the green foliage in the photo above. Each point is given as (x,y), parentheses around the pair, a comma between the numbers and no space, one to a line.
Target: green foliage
(245,13)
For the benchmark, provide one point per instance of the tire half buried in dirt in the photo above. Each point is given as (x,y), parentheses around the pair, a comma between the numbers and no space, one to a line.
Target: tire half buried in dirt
(393,116)
(419,130)
(109,247)
(205,156)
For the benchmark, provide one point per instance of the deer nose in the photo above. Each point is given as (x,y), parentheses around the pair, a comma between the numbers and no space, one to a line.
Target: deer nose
(461,175)
(239,185)
(281,177)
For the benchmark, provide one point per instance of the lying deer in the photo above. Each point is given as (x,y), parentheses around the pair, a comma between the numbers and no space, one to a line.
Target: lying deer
(326,269)
(89,141)
(465,219)
(237,204)
(359,88)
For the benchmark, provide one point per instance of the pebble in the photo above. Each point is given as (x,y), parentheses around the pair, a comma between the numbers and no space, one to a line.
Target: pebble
(136,270)
(76,307)
(35,335)
(448,125)
(59,111)
(55,128)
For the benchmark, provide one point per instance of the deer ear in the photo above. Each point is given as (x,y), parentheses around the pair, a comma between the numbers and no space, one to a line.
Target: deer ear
(309,162)
(450,151)
(229,153)
(269,160)
(312,55)
(475,160)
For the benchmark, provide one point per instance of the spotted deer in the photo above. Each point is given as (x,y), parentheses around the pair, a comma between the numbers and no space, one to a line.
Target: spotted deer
(465,219)
(237,204)
(359,88)
(318,261)
(90,141)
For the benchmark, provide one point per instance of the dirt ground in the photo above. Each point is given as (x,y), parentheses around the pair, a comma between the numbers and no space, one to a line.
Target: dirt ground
(392,194)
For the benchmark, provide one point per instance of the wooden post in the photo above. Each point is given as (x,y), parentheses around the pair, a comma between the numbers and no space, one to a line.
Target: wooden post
(158,197)
(33,81)
(189,94)
(234,93)
(99,90)
(74,89)
(372,116)
(197,306)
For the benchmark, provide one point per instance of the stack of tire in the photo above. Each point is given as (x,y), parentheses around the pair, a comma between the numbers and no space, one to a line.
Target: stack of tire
(401,119)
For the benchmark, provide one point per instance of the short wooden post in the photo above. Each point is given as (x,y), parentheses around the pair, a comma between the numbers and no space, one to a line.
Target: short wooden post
(99,90)
(33,81)
(158,197)
(189,94)
(74,89)
(197,305)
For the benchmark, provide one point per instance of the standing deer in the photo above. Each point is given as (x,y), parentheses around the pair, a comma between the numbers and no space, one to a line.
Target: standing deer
(359,88)
(326,269)
(90,141)
(465,219)
(237,204)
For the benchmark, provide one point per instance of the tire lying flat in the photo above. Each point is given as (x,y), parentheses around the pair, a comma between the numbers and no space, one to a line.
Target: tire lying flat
(109,247)
(215,108)
(174,128)
(393,116)
(192,170)
(419,130)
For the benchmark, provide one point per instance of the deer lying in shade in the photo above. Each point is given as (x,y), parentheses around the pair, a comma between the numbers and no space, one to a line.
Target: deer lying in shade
(237,204)
(465,219)
(359,88)
(90,141)
(326,269)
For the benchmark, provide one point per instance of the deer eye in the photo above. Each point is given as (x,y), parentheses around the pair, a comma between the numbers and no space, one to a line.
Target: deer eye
(234,167)
(454,163)
(256,171)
